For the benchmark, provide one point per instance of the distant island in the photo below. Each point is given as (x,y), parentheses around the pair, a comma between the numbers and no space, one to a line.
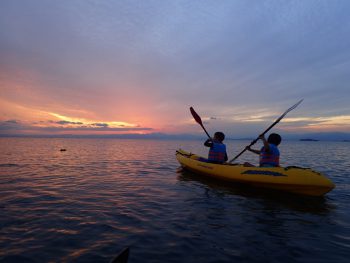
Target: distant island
(308,140)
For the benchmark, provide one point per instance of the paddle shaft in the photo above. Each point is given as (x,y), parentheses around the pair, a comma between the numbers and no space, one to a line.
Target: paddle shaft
(269,128)
(205,131)
(253,142)
(199,121)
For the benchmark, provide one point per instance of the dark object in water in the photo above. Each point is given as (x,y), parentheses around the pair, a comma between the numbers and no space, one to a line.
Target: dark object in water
(122,257)
(63,150)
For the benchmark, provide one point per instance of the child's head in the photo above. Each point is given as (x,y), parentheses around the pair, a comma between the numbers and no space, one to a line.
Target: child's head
(220,136)
(274,138)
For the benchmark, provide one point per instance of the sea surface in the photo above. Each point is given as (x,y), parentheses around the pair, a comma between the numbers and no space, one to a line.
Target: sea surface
(100,196)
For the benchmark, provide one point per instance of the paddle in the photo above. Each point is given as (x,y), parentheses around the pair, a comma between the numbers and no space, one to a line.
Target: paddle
(122,257)
(198,120)
(269,128)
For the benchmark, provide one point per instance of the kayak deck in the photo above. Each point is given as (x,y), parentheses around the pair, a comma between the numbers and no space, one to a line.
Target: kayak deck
(290,179)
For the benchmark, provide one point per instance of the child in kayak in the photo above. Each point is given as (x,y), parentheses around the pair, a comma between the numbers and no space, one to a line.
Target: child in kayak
(217,151)
(269,153)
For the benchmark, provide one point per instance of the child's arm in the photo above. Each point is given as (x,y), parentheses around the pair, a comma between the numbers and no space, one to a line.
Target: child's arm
(208,143)
(266,144)
(252,150)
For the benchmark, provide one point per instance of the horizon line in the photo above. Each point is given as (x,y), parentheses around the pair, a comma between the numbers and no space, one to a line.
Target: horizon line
(321,136)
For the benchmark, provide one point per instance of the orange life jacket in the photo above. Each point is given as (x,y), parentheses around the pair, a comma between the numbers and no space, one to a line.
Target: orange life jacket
(217,152)
(271,157)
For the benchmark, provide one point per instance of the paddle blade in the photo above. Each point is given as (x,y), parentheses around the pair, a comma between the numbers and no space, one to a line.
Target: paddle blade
(122,257)
(196,116)
(290,109)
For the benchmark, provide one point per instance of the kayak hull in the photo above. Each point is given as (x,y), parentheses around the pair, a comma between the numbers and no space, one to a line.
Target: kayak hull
(293,179)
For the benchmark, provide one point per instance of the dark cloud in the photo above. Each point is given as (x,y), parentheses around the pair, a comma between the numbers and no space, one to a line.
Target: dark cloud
(87,128)
(17,127)
(68,122)
(105,125)
(10,125)
(12,121)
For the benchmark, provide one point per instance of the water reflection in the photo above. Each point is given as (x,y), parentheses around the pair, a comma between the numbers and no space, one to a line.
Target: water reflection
(85,204)
(276,199)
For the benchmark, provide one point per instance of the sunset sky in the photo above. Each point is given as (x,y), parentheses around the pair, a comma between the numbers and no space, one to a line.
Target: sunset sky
(113,66)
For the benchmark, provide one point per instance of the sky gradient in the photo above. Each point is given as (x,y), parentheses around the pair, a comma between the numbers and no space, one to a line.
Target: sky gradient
(110,67)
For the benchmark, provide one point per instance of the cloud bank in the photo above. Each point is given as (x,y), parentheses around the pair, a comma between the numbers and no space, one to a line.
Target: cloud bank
(144,63)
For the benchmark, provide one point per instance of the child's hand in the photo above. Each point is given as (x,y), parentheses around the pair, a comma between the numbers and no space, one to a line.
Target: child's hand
(262,137)
(247,148)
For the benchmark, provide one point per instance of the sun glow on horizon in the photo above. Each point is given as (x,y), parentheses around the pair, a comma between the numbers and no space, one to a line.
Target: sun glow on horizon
(21,118)
(16,118)
(83,121)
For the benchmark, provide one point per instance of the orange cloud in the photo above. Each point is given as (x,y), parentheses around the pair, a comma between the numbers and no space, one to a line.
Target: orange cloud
(329,123)
(15,118)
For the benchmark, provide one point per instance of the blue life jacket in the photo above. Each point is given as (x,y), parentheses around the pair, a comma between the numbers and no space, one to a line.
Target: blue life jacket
(217,152)
(270,158)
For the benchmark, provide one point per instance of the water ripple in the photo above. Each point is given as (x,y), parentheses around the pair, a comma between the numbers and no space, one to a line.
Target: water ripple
(85,204)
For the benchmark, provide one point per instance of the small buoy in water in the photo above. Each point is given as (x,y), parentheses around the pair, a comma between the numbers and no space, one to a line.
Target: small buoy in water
(63,150)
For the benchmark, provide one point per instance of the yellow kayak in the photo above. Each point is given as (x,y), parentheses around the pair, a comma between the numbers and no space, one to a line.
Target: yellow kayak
(291,179)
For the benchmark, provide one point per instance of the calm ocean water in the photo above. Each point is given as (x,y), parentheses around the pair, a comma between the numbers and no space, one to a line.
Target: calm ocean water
(102,195)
